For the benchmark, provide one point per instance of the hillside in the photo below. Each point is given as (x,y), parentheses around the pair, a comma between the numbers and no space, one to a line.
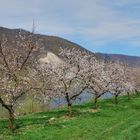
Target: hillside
(48,43)
(109,122)
(132,61)
(52,44)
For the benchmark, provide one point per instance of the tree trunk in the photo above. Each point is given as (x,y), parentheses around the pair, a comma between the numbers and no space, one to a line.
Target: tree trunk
(11,119)
(10,110)
(69,104)
(32,106)
(95,102)
(128,95)
(43,106)
(116,99)
(137,92)
(70,109)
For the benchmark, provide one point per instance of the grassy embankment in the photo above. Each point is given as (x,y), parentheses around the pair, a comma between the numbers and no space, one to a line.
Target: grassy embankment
(109,122)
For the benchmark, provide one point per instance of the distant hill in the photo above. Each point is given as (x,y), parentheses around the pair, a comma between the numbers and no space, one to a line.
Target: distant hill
(53,43)
(132,61)
(49,43)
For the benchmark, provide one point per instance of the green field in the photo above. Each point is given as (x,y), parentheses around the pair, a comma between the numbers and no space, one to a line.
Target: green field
(109,122)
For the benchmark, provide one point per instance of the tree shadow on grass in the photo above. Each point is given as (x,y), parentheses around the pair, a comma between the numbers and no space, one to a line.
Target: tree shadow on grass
(41,118)
(38,118)
(3,124)
(136,107)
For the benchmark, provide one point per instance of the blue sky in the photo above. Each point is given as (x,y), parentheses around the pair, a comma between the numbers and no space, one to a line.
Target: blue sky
(108,26)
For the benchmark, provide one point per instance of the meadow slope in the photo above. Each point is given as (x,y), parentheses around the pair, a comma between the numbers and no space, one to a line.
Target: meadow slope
(109,122)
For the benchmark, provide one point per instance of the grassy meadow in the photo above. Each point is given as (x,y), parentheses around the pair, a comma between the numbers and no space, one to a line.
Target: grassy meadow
(109,122)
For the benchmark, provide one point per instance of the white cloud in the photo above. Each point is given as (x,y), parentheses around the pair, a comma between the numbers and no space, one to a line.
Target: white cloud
(101,21)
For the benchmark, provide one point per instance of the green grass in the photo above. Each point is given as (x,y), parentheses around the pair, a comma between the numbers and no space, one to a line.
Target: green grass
(109,122)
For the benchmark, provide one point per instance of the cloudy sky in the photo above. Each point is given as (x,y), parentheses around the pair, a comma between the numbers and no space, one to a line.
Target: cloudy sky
(110,26)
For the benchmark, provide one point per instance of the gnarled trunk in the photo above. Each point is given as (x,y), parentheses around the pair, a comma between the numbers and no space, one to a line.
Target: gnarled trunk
(11,118)
(10,110)
(69,104)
